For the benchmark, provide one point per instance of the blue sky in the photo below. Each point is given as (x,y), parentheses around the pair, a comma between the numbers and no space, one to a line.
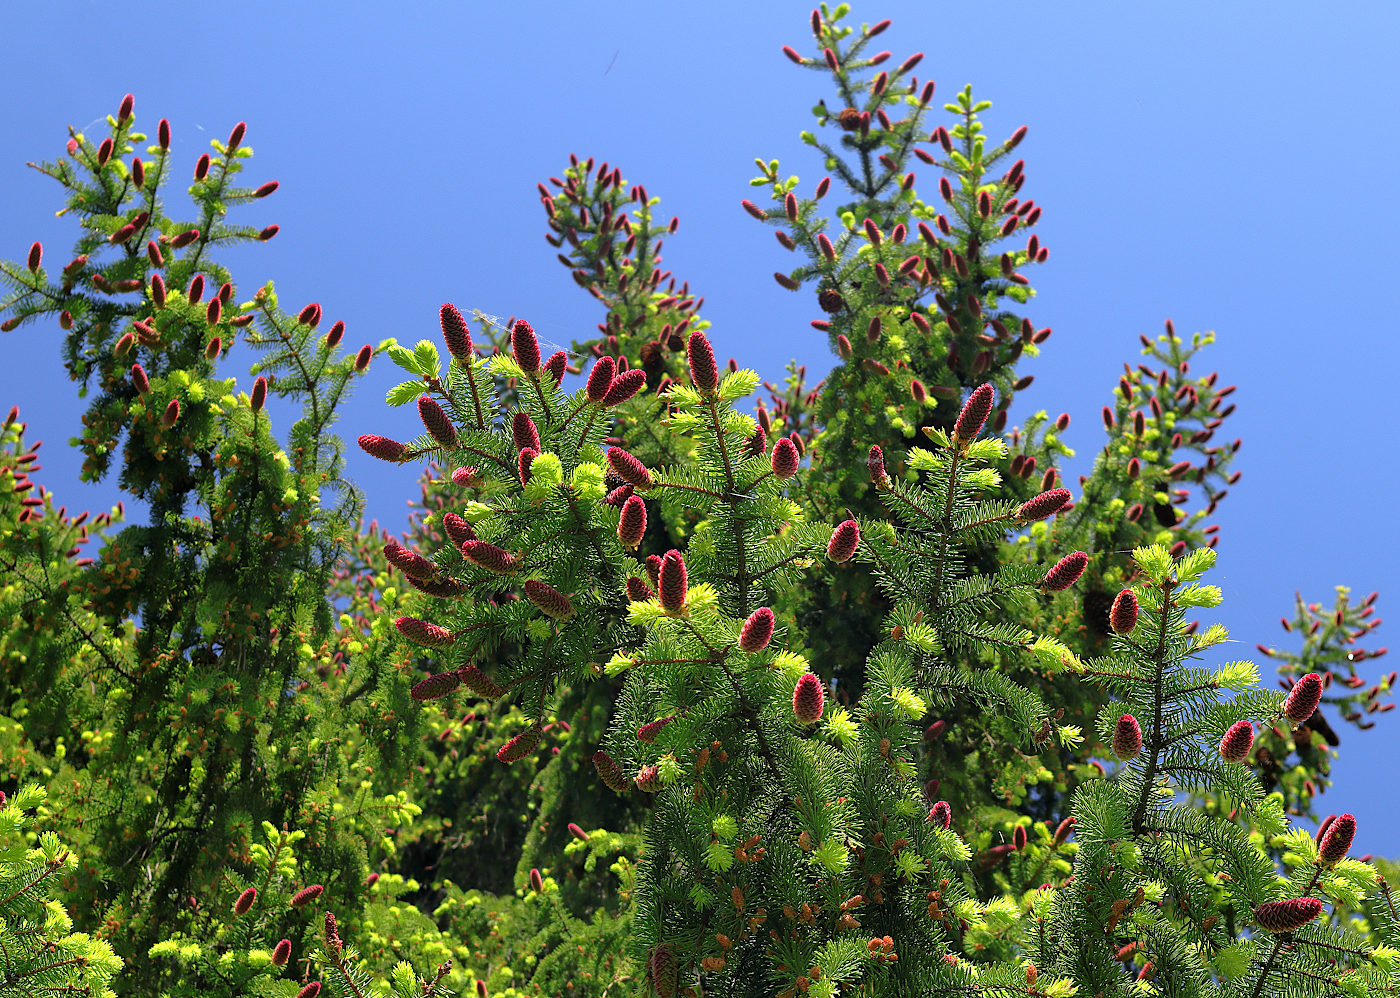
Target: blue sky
(1231,166)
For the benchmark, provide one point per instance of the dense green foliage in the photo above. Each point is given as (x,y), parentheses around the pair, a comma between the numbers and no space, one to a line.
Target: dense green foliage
(835,691)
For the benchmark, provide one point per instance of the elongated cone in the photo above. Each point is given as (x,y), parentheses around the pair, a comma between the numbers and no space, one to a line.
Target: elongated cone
(524,433)
(1043,505)
(441,588)
(458,529)
(632,525)
(480,683)
(1065,572)
(785,458)
(1127,737)
(672,582)
(702,363)
(1123,615)
(556,365)
(466,477)
(489,557)
(363,358)
(618,497)
(654,569)
(171,414)
(550,601)
(525,347)
(875,464)
(629,469)
(411,563)
(421,632)
(808,698)
(648,732)
(1236,743)
(281,953)
(1018,838)
(757,631)
(536,881)
(578,832)
(312,990)
(648,779)
(438,424)
(306,895)
(663,970)
(638,591)
(382,447)
(1337,839)
(435,687)
(609,773)
(624,386)
(1286,916)
(525,459)
(455,333)
(1063,830)
(974,414)
(245,901)
(521,745)
(139,379)
(600,379)
(843,543)
(941,814)
(1303,699)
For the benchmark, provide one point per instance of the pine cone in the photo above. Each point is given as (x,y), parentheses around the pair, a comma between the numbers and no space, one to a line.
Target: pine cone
(1337,839)
(1285,916)
(1303,699)
(1123,617)
(1236,743)
(436,687)
(1127,737)
(808,698)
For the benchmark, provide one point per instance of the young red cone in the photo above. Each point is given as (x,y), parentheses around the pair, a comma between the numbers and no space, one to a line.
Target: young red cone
(638,591)
(489,557)
(139,379)
(245,901)
(974,415)
(1065,572)
(1337,839)
(628,468)
(600,379)
(306,895)
(624,386)
(702,363)
(436,687)
(521,745)
(556,365)
(632,525)
(438,424)
(1303,699)
(550,601)
(785,458)
(1236,743)
(757,631)
(480,683)
(455,333)
(844,540)
(609,772)
(1043,505)
(281,953)
(458,529)
(524,433)
(875,464)
(672,582)
(171,415)
(525,347)
(663,970)
(648,732)
(1122,617)
(1018,838)
(311,990)
(808,698)
(1127,737)
(411,563)
(1286,916)
(941,814)
(421,632)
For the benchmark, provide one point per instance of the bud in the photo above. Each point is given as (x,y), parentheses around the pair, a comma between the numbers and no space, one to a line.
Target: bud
(1122,617)
(672,582)
(104,152)
(184,239)
(785,459)
(36,256)
(282,953)
(578,832)
(1127,737)
(455,333)
(524,433)
(259,392)
(941,815)
(600,379)
(521,745)
(974,414)
(411,563)
(844,540)
(245,901)
(457,529)
(1018,842)
(163,133)
(434,417)
(269,232)
(124,344)
(757,631)
(917,391)
(701,356)
(550,601)
(632,524)
(1065,573)
(139,379)
(1043,505)
(490,557)
(382,447)
(808,698)
(648,732)
(524,347)
(1286,916)
(1303,699)
(628,468)
(214,310)
(480,683)
(310,315)
(421,632)
(305,896)
(556,365)
(311,990)
(337,330)
(624,386)
(1236,742)
(201,167)
(362,358)
(843,346)
(1336,840)
(1063,830)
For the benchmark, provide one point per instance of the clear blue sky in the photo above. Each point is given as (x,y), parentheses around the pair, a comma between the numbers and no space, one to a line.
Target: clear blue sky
(1230,165)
